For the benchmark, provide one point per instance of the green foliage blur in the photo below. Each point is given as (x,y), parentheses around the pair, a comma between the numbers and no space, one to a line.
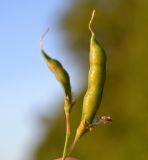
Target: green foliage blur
(122,28)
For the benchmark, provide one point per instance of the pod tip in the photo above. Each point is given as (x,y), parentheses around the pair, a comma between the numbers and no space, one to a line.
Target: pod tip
(90,22)
(42,37)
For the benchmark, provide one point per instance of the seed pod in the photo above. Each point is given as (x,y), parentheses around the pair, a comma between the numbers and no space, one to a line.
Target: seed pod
(96,80)
(59,72)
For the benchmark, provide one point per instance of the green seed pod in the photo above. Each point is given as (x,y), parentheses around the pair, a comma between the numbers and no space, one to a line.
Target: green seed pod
(60,73)
(96,80)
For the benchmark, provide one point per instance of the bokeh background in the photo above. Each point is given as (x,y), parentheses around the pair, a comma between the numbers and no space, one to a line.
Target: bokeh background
(32,125)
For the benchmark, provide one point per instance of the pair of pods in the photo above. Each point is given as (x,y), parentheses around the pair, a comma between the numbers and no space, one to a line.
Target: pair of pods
(96,80)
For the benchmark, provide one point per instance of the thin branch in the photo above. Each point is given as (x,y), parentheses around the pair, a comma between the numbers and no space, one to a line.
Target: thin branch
(67,135)
(67,103)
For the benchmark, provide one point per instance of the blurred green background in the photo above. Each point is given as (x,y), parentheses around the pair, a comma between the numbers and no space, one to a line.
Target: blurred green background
(122,28)
(32,122)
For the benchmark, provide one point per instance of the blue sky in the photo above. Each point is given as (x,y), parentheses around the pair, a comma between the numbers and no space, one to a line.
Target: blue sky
(26,85)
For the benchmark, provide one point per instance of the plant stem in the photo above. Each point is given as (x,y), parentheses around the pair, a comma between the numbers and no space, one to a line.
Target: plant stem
(65,151)
(81,130)
(72,146)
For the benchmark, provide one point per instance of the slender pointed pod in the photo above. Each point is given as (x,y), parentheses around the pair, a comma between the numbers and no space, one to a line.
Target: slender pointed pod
(59,72)
(63,78)
(96,80)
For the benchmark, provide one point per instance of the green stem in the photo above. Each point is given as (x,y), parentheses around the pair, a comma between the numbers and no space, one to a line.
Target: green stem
(72,146)
(65,151)
(79,133)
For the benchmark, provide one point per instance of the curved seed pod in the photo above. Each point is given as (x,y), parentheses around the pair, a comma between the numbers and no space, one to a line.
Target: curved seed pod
(96,80)
(59,72)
